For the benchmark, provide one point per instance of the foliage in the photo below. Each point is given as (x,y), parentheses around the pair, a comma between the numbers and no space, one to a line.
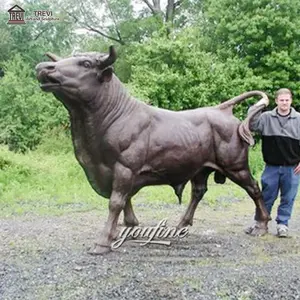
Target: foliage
(265,34)
(48,181)
(26,112)
(122,66)
(180,75)
(214,50)
(256,161)
(114,20)
(42,183)
(35,38)
(120,21)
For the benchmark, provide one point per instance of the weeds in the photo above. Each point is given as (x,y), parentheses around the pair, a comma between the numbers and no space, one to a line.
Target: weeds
(49,181)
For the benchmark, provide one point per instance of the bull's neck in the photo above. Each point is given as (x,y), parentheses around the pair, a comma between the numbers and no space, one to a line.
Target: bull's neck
(111,102)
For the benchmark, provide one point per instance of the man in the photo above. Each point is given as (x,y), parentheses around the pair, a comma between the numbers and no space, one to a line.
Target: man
(280,130)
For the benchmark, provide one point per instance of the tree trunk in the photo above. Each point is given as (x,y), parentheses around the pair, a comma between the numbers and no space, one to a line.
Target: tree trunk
(170,12)
(154,6)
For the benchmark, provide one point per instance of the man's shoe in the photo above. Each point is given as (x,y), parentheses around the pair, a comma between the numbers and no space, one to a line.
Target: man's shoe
(282,231)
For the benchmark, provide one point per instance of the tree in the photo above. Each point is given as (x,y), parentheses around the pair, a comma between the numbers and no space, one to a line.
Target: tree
(26,112)
(119,20)
(175,73)
(35,38)
(265,34)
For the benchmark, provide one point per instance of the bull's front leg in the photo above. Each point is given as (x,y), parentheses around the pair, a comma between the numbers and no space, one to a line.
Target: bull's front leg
(117,202)
(130,219)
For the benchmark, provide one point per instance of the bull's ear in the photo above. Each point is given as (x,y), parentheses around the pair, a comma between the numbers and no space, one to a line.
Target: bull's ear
(107,74)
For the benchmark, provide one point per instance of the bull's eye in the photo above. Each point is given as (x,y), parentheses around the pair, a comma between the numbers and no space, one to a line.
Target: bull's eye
(87,64)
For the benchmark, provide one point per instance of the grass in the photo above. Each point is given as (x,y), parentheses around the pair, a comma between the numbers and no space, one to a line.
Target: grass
(43,184)
(49,181)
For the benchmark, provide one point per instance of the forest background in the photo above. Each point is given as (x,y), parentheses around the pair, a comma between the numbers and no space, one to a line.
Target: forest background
(172,54)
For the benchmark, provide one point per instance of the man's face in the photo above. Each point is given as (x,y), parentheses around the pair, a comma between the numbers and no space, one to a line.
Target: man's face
(284,102)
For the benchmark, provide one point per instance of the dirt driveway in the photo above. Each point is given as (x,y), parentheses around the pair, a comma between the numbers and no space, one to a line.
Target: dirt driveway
(45,258)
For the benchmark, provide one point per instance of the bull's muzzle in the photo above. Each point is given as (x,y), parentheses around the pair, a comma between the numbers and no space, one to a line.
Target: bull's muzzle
(45,75)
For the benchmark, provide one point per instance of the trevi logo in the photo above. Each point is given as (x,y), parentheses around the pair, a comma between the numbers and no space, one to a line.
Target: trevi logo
(17,15)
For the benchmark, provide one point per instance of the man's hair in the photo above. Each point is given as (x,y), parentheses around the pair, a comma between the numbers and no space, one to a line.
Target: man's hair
(283,91)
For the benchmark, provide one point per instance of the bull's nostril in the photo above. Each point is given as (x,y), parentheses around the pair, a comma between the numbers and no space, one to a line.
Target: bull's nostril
(45,66)
(50,67)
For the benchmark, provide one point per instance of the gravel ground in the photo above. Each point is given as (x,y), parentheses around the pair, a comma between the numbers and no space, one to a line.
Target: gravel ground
(45,258)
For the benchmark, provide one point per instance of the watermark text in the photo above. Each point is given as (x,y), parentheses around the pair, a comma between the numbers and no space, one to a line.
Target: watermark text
(150,235)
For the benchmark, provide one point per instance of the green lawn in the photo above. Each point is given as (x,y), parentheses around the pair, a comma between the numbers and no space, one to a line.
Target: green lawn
(49,181)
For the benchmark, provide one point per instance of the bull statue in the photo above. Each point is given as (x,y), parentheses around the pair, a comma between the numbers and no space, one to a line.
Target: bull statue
(123,144)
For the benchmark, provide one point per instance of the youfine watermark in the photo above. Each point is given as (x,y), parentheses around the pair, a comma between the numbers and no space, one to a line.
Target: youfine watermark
(159,234)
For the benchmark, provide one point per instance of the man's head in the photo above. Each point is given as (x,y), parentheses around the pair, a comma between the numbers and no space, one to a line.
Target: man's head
(283,99)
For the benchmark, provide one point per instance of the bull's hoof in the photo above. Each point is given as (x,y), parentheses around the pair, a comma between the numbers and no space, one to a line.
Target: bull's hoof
(98,249)
(184,223)
(257,229)
(131,223)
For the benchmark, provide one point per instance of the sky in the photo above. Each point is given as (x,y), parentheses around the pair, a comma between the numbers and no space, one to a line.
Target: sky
(5,4)
(138,4)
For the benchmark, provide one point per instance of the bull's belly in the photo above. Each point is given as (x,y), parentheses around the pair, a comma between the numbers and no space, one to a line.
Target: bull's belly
(171,175)
(179,164)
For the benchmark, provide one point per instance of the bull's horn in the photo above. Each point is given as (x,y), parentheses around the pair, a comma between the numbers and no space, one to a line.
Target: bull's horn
(110,59)
(52,56)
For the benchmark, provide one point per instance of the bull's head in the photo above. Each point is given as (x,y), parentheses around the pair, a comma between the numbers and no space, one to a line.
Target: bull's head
(76,77)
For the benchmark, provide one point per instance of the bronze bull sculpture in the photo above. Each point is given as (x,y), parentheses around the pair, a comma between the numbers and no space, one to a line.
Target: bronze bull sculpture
(123,144)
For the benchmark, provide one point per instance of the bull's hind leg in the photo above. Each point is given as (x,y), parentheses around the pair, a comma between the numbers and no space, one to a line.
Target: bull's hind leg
(199,188)
(245,180)
(130,219)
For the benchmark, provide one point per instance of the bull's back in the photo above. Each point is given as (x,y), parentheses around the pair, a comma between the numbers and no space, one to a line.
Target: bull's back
(204,136)
(179,141)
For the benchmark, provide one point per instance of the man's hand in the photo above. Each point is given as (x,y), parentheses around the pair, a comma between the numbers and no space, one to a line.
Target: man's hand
(297,169)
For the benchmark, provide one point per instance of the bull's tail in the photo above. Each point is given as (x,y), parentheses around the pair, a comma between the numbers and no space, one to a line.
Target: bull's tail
(230,103)
(243,129)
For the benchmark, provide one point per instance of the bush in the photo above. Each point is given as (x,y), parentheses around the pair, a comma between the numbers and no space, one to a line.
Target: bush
(26,112)
(175,73)
(56,141)
(256,161)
